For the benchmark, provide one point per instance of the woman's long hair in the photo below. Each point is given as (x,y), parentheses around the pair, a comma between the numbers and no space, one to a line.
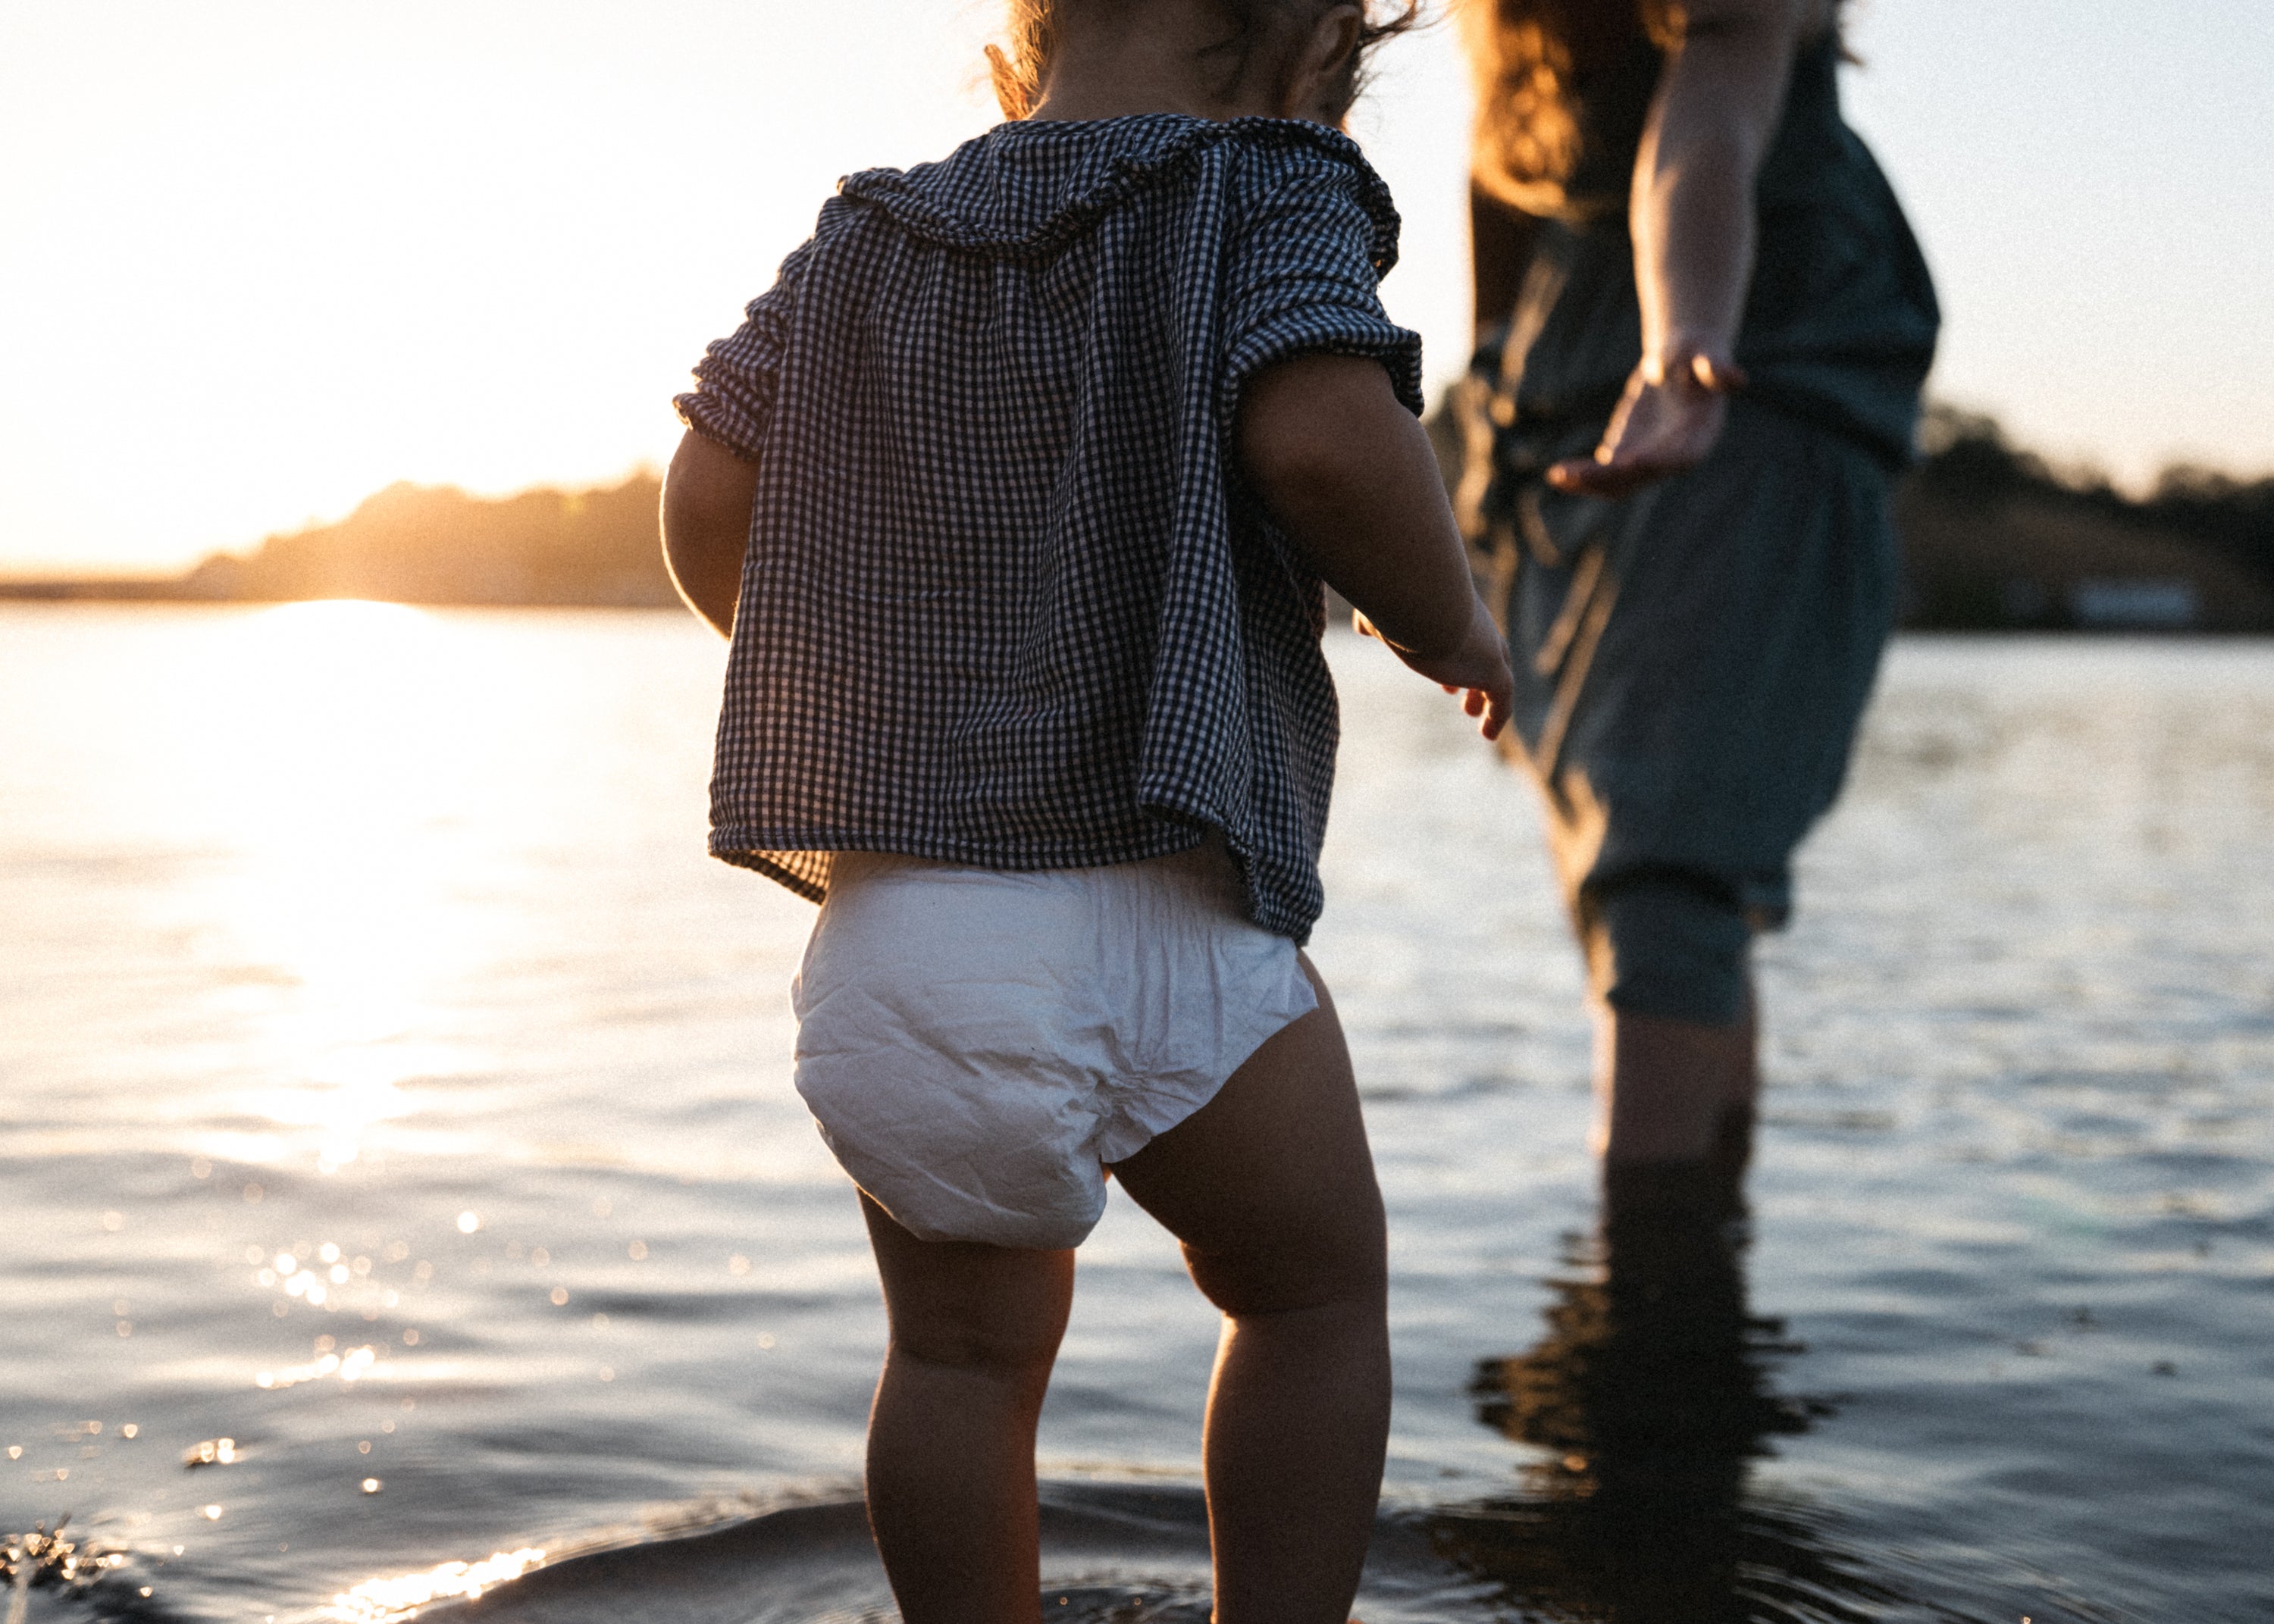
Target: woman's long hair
(1527,138)
(1521,54)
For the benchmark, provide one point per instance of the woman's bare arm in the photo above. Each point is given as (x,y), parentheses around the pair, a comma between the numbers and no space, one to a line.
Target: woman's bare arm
(706,526)
(1692,211)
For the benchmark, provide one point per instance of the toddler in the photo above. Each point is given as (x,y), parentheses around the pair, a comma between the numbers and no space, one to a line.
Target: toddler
(1015,492)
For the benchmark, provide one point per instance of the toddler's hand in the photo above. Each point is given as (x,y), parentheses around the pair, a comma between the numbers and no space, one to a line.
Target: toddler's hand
(1478,669)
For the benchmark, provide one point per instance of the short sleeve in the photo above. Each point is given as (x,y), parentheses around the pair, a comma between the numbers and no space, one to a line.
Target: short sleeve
(739,376)
(1304,277)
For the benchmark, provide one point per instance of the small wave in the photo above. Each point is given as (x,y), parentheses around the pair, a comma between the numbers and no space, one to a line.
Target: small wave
(1113,1553)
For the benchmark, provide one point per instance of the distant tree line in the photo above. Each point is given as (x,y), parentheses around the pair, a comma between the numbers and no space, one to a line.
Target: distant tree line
(436,544)
(1993,537)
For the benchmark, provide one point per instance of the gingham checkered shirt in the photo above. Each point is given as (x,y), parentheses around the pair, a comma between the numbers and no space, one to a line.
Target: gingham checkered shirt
(1007,601)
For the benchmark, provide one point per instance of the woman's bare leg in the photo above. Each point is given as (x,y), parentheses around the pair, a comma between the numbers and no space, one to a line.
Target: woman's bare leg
(1675,1091)
(1271,1189)
(950,1488)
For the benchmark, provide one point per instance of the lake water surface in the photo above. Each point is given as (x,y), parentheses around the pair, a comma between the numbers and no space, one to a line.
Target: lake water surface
(405,1197)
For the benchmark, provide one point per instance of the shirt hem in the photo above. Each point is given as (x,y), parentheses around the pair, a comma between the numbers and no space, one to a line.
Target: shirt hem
(760,852)
(751,848)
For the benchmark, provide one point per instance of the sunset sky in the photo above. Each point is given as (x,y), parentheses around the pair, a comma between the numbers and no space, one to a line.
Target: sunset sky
(259,258)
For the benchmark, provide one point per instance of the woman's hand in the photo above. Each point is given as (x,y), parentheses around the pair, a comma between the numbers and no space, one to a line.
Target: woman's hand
(1691,212)
(1667,421)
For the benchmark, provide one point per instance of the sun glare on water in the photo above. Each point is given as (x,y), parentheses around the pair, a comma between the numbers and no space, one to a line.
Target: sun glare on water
(340,777)
(377,1601)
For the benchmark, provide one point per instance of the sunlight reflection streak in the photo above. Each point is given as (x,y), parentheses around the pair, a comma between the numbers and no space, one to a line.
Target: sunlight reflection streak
(346,760)
(375,1601)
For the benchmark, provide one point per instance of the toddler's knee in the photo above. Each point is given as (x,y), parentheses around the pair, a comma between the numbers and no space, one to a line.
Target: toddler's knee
(1672,944)
(1010,1353)
(1250,1282)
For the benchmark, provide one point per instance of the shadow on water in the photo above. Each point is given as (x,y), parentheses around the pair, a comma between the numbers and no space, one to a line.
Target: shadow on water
(1652,1393)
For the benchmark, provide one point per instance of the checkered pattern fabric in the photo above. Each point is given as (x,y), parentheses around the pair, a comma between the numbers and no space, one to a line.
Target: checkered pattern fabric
(1006,601)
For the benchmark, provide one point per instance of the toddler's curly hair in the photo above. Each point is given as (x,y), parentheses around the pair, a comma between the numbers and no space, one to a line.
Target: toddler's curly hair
(1036,26)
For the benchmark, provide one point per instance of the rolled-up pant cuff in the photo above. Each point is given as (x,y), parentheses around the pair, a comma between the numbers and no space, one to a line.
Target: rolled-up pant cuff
(1670,944)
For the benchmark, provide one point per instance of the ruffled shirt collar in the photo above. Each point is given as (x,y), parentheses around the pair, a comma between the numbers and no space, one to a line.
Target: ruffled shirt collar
(1024,189)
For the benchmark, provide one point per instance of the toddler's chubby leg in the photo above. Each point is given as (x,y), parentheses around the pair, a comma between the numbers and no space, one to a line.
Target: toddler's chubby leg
(1270,1187)
(951,1489)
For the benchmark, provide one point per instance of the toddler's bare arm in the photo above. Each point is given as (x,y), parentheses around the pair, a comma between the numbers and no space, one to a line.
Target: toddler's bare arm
(706,526)
(1349,474)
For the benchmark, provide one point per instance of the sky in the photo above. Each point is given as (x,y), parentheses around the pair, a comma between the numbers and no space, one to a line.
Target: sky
(261,258)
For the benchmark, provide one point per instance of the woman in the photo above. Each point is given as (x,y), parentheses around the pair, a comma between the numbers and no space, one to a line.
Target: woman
(1703,326)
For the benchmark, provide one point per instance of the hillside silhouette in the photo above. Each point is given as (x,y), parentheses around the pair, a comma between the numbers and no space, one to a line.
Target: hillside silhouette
(1994,538)
(436,544)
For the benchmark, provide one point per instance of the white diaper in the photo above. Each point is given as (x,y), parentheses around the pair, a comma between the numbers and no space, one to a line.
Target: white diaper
(977,1045)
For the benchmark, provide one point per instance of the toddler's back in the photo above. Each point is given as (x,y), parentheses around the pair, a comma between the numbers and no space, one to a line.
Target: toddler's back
(1005,603)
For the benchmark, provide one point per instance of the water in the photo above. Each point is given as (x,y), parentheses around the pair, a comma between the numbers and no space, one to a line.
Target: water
(390,1087)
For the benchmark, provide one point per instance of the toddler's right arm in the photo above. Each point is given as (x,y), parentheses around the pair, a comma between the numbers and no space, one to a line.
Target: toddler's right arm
(706,526)
(1349,473)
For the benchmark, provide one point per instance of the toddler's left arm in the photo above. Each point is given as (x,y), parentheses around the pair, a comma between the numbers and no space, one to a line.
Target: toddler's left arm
(1348,471)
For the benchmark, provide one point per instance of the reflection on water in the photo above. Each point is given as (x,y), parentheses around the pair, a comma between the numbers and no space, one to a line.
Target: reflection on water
(376,1601)
(1652,1393)
(50,1561)
(343,743)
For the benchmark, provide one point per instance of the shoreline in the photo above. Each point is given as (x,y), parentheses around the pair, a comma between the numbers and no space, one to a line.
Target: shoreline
(2111,621)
